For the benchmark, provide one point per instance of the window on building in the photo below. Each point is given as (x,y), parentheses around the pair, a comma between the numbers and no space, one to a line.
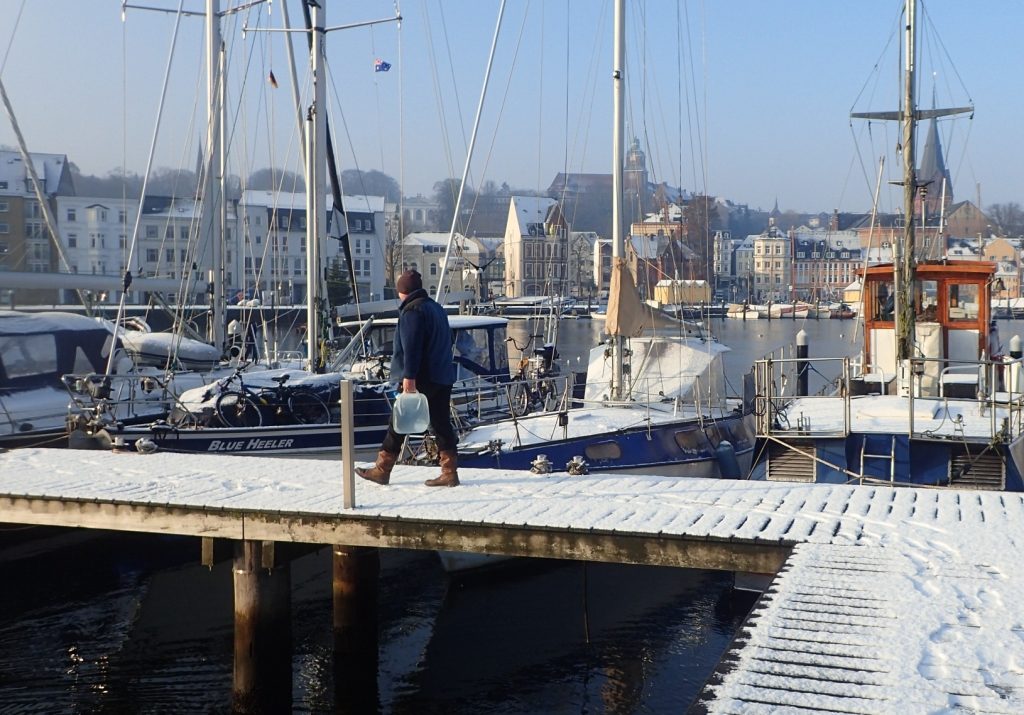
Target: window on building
(433,269)
(298,266)
(72,240)
(122,216)
(183,232)
(152,232)
(152,255)
(72,215)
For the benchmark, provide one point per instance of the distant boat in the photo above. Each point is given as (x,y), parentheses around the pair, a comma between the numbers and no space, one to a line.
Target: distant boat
(741,311)
(789,310)
(841,312)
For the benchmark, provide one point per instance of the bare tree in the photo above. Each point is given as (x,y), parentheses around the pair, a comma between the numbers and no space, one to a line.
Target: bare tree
(1009,218)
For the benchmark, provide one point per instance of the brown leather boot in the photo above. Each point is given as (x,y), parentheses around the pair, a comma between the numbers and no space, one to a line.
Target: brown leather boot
(449,460)
(381,471)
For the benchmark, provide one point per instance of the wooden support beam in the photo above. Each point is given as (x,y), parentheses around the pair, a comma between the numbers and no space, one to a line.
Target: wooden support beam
(356,572)
(354,529)
(263,649)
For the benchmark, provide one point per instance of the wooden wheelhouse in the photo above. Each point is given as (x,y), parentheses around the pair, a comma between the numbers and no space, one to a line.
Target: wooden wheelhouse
(951,322)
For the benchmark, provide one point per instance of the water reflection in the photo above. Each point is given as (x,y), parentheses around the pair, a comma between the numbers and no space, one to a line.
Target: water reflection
(128,623)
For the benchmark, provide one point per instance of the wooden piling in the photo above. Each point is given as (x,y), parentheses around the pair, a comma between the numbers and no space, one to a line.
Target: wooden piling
(263,647)
(356,572)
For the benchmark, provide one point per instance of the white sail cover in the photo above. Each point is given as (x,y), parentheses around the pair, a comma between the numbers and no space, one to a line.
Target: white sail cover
(662,368)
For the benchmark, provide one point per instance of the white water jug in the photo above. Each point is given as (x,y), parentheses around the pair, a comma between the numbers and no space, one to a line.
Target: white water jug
(412,413)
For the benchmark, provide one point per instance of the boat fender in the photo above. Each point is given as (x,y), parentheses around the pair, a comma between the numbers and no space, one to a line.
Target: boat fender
(728,465)
(144,445)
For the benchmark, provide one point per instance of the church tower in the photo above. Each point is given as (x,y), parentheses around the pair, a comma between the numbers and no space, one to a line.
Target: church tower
(932,175)
(634,178)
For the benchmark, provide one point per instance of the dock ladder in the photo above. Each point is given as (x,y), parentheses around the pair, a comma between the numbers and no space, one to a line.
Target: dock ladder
(891,456)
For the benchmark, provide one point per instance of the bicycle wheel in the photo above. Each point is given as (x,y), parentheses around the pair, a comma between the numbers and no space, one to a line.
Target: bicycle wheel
(237,410)
(518,398)
(307,408)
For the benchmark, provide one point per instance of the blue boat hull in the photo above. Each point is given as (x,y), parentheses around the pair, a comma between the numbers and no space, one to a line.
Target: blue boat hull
(898,459)
(682,449)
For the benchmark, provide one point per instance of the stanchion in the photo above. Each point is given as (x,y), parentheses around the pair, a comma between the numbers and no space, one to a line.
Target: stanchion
(348,438)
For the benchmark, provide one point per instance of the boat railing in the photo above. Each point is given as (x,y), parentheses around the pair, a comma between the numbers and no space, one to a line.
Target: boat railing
(996,386)
(779,382)
(116,397)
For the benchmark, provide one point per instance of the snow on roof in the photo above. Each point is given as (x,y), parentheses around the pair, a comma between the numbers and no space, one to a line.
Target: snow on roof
(435,238)
(49,168)
(297,201)
(530,209)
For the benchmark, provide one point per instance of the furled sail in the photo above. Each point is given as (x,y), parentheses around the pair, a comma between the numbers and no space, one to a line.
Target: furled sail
(626,314)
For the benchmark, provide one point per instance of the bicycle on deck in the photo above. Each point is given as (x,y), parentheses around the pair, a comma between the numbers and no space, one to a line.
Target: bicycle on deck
(248,407)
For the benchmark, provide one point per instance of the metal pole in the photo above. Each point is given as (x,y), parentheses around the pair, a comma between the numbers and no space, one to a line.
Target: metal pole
(618,117)
(802,364)
(316,186)
(348,435)
(213,198)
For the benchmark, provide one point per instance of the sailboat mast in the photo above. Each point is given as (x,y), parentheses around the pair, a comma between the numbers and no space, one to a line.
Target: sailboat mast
(316,185)
(213,197)
(618,241)
(903,254)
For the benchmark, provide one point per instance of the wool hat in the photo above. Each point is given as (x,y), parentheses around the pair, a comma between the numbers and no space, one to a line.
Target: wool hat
(409,282)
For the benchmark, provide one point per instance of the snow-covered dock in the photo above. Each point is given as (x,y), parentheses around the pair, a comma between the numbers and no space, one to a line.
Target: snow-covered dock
(885,598)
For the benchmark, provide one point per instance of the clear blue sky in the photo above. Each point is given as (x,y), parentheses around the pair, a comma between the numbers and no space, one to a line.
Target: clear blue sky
(766,91)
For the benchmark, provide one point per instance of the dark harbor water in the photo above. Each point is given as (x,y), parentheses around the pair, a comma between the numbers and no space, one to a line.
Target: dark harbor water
(121,623)
(133,624)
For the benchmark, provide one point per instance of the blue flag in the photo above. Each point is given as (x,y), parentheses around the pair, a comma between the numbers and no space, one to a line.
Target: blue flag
(380,65)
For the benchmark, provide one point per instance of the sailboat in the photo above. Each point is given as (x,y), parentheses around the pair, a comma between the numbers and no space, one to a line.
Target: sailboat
(930,401)
(661,411)
(295,410)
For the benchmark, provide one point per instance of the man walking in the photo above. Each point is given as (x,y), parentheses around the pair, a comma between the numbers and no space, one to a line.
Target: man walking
(422,361)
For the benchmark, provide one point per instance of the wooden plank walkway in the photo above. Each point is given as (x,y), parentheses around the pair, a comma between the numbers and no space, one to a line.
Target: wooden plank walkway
(886,598)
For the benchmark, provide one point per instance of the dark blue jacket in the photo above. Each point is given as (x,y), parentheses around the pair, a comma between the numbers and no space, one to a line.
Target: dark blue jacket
(423,342)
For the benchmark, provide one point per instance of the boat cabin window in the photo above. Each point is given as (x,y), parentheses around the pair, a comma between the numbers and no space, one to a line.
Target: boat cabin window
(883,297)
(471,345)
(963,301)
(692,442)
(381,341)
(926,301)
(499,350)
(25,355)
(603,450)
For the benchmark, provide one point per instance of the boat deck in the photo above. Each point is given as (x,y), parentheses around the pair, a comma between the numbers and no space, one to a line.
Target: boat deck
(884,599)
(889,414)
